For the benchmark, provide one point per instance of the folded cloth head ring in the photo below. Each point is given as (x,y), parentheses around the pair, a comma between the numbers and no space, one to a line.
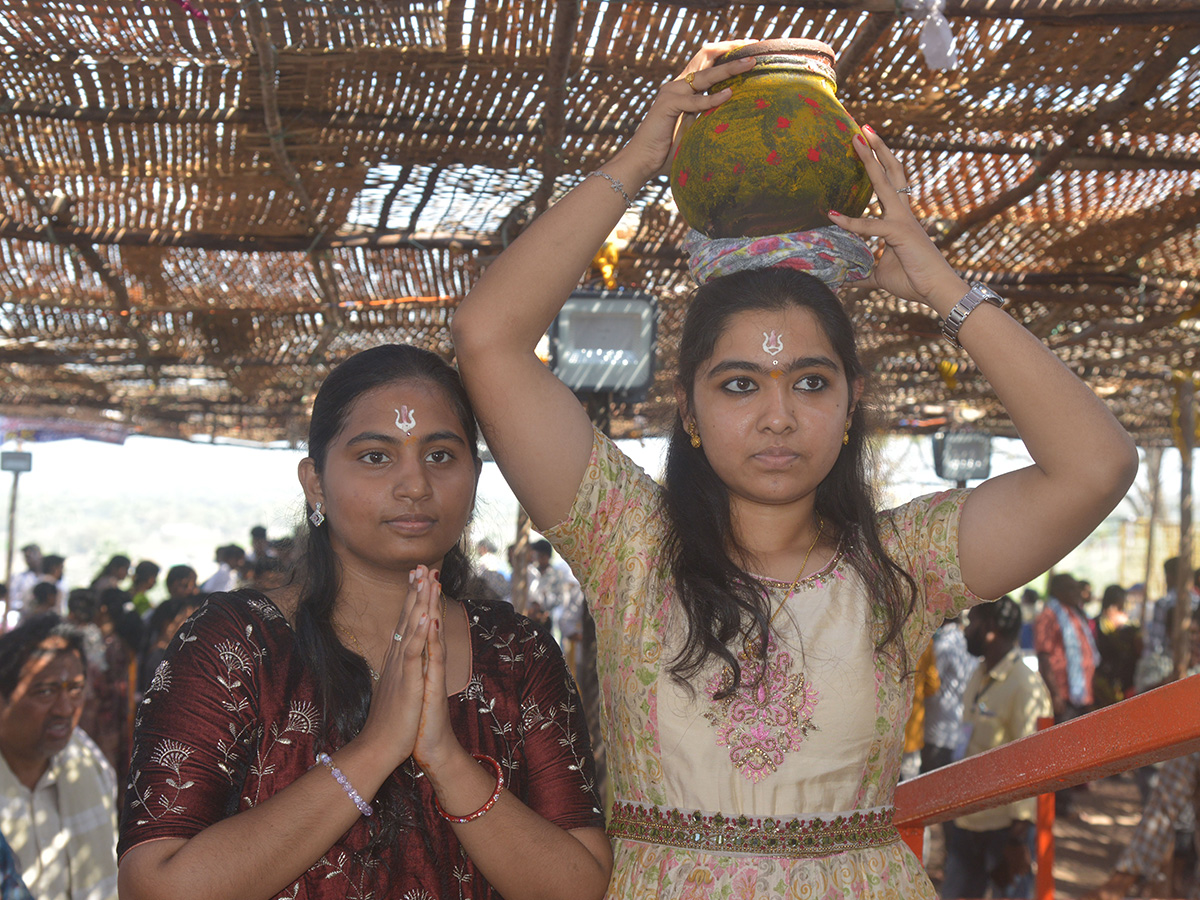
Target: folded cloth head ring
(831,254)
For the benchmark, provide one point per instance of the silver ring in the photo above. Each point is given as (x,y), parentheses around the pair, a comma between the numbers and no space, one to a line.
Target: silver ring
(397,636)
(904,190)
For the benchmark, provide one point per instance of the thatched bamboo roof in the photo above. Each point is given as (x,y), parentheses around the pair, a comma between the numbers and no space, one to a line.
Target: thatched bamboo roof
(199,216)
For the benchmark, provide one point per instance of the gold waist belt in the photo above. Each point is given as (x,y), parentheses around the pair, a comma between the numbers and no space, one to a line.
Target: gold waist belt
(797,838)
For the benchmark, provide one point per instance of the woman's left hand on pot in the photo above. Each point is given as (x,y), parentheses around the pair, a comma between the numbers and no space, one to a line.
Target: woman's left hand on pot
(909,264)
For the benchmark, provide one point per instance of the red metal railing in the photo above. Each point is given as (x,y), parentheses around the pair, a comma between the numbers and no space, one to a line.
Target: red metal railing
(1160,724)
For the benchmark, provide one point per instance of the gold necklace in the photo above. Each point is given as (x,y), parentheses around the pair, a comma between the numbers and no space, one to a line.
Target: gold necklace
(361,652)
(799,575)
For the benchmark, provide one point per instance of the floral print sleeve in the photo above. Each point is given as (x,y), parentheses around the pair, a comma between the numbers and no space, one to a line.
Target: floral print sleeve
(191,761)
(613,530)
(922,537)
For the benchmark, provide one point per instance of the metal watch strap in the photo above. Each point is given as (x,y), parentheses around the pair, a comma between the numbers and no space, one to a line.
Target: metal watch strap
(978,293)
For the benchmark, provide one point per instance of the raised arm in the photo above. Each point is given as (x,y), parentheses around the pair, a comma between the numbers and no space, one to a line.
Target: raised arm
(535,427)
(1018,525)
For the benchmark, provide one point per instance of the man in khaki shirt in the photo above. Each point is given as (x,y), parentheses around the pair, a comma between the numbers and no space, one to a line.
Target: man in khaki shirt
(1002,702)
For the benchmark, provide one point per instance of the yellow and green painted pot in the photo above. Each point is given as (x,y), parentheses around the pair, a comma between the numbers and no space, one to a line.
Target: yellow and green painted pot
(778,154)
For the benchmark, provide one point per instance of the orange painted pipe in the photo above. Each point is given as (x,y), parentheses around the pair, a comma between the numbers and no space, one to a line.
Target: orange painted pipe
(1160,724)
(1043,885)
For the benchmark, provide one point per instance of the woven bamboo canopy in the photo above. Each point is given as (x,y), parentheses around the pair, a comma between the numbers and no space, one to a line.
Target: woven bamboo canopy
(206,204)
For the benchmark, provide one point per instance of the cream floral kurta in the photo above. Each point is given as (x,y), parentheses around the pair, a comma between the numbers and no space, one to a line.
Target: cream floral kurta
(820,739)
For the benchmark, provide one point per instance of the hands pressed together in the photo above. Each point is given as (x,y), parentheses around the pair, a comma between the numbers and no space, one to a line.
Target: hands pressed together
(409,713)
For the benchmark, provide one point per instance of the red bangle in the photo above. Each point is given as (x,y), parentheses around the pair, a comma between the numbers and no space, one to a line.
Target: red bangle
(491,801)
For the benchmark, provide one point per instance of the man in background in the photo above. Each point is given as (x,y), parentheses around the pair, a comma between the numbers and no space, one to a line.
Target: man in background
(181,582)
(21,586)
(1002,701)
(230,559)
(57,792)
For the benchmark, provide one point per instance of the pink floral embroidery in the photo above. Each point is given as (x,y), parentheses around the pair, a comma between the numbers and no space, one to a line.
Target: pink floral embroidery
(763,722)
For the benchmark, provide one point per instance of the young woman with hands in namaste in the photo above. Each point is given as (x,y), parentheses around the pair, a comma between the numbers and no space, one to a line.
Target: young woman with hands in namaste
(369,730)
(758,615)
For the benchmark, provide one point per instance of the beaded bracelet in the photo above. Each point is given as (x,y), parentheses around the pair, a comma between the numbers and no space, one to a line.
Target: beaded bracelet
(363,806)
(491,801)
(614,183)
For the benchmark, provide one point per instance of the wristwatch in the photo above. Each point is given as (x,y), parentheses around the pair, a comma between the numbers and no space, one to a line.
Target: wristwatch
(979,293)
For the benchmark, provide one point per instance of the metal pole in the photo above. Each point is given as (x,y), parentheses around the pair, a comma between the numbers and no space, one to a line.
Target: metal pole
(12,539)
(1154,457)
(1044,879)
(1183,583)
(520,567)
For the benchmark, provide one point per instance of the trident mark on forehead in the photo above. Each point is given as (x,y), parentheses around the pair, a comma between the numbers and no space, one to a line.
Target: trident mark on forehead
(406,420)
(773,344)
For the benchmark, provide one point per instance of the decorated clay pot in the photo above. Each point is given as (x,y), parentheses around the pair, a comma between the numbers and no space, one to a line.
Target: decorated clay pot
(777,155)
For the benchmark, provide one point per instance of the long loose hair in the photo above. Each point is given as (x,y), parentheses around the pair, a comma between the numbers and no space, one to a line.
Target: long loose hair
(343,680)
(720,600)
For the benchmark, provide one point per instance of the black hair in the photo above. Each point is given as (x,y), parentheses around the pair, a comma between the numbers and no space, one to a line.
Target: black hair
(51,562)
(83,604)
(342,677)
(146,570)
(1062,585)
(720,600)
(18,646)
(1003,616)
(258,531)
(178,573)
(45,592)
(541,546)
(1114,595)
(113,565)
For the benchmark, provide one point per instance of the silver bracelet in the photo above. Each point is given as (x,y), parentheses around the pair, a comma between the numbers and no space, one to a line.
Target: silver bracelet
(614,183)
(363,806)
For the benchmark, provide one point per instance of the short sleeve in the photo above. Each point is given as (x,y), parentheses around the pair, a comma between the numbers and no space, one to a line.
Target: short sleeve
(561,773)
(614,528)
(195,727)
(922,537)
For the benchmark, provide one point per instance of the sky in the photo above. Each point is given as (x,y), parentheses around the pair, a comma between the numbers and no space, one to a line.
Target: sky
(175,501)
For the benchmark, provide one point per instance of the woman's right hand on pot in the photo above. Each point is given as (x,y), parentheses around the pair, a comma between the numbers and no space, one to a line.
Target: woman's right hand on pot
(395,714)
(656,136)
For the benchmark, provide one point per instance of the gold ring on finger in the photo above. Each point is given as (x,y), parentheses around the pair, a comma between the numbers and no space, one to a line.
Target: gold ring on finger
(690,78)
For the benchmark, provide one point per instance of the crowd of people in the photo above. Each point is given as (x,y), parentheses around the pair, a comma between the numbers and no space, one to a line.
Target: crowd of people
(89,653)
(1015,664)
(356,714)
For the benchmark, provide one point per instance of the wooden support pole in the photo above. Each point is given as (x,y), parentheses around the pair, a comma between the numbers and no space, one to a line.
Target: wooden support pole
(1181,639)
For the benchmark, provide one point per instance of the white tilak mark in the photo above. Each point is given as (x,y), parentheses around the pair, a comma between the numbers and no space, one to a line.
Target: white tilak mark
(406,420)
(772,343)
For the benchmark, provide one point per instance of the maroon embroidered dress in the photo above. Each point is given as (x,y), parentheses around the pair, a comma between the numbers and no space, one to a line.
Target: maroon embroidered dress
(231,717)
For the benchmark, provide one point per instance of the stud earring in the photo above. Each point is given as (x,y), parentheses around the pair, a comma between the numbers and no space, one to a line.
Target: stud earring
(695,435)
(317,516)
(846,434)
